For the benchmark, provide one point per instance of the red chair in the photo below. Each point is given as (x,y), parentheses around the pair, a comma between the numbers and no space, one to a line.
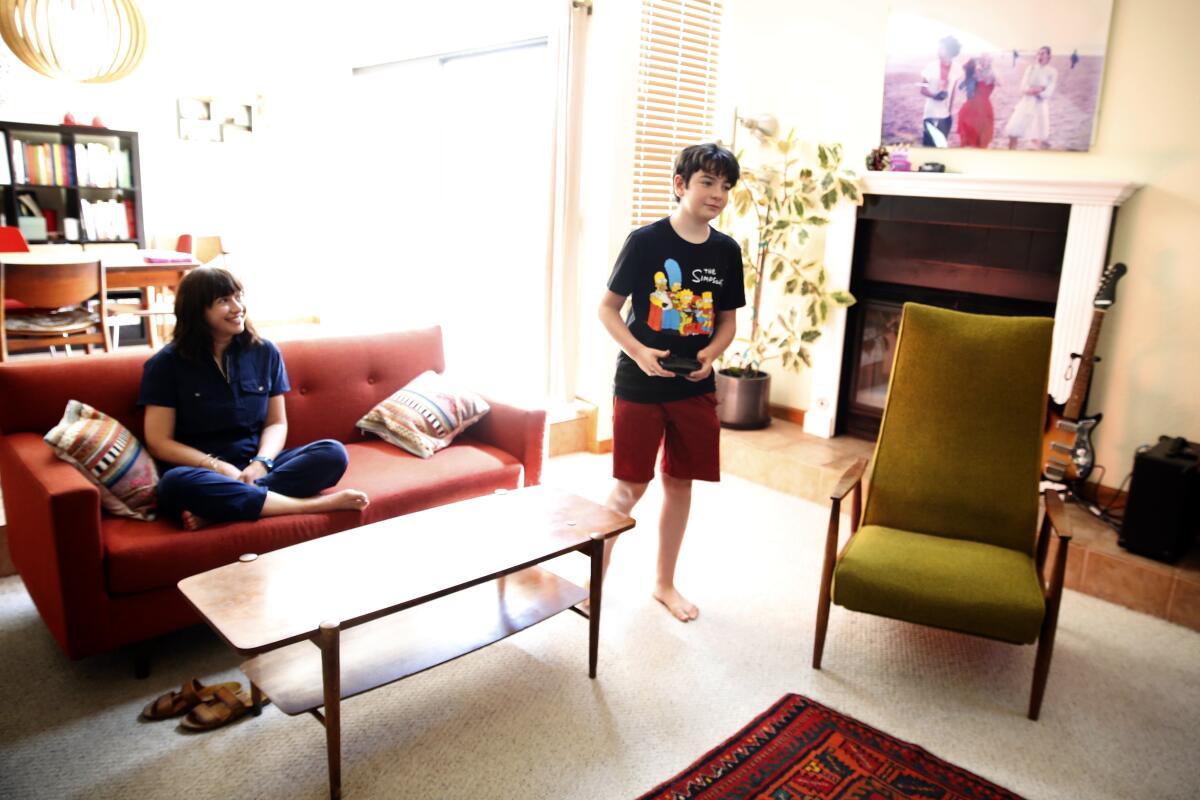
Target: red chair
(13,241)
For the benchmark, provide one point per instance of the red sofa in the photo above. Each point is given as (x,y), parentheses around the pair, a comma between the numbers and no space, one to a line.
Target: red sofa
(101,581)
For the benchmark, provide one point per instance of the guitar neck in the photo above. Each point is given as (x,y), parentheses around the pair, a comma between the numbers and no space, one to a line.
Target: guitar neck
(1083,376)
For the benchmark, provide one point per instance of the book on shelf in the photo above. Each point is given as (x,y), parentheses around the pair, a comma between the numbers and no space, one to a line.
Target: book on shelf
(92,164)
(18,160)
(106,220)
(5,175)
(27,205)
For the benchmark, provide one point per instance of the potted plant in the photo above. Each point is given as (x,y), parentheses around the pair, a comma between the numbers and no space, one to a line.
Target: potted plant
(778,205)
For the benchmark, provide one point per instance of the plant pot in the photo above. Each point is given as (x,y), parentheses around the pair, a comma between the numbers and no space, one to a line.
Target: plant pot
(742,400)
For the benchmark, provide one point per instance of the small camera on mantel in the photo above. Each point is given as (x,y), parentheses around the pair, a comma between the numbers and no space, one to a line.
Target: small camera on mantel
(932,166)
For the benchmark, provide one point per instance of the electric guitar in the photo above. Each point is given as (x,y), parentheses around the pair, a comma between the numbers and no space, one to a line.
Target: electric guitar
(1067,453)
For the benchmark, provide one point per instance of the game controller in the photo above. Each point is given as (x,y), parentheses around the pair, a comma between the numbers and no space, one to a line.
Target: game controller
(680,365)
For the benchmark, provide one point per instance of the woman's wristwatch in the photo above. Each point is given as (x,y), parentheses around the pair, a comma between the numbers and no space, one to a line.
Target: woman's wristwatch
(269,463)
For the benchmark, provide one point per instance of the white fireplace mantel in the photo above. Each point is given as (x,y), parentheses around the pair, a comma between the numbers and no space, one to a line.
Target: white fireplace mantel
(1092,203)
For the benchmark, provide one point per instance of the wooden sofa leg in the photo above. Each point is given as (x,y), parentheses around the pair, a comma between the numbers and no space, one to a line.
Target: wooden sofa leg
(141,660)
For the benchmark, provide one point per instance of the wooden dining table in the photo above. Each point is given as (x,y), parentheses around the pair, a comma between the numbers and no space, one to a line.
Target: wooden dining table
(152,272)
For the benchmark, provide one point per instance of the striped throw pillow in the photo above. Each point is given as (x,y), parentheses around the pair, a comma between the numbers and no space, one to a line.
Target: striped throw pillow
(425,415)
(110,456)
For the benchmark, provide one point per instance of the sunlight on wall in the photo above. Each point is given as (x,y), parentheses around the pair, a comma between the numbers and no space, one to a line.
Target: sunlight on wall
(451,189)
(263,196)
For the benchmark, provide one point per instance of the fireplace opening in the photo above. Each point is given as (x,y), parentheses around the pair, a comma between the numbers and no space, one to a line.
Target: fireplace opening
(981,256)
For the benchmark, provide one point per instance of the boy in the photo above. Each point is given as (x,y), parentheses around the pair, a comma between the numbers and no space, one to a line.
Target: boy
(686,283)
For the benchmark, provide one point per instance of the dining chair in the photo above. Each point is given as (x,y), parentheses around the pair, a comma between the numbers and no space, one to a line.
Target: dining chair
(155,305)
(12,240)
(57,297)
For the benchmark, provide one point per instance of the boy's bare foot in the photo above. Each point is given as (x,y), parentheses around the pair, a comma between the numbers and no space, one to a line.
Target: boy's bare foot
(677,604)
(345,500)
(191,522)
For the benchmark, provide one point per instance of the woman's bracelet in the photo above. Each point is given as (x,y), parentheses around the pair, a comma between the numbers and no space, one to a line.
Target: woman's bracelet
(209,462)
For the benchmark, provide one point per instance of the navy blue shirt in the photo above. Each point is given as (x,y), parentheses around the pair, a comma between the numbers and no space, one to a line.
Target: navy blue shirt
(214,415)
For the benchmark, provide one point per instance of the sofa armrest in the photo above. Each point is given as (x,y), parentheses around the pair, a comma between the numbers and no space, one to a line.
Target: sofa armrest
(518,431)
(53,516)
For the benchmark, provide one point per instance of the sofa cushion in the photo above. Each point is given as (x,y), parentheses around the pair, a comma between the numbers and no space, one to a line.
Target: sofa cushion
(109,456)
(426,415)
(143,556)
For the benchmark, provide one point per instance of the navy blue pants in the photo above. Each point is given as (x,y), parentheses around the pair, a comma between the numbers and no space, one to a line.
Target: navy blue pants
(299,472)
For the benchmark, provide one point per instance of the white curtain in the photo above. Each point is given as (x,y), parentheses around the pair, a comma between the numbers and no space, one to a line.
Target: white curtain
(462,194)
(565,312)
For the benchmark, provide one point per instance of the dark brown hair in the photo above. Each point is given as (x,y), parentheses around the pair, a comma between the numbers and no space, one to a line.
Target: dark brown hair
(711,158)
(196,292)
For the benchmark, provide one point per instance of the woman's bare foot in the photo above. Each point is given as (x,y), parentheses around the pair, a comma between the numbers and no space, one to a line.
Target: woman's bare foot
(191,522)
(677,604)
(345,500)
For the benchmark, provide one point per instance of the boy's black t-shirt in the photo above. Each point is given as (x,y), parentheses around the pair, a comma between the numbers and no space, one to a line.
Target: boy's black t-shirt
(677,288)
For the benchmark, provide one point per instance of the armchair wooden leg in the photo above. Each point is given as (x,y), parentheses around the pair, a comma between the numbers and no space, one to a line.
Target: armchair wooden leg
(1041,667)
(823,600)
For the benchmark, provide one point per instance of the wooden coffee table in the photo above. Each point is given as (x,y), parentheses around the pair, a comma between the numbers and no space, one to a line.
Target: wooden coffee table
(338,616)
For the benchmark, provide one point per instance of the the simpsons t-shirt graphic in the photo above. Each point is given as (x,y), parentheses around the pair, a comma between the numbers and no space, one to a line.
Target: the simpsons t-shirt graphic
(676,289)
(673,308)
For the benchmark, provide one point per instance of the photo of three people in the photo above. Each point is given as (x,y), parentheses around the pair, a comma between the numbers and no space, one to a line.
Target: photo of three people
(986,78)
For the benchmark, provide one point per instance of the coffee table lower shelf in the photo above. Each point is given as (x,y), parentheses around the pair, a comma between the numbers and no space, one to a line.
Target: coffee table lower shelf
(388,649)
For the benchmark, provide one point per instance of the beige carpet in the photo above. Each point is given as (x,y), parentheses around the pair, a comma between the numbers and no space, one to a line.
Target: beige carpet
(522,720)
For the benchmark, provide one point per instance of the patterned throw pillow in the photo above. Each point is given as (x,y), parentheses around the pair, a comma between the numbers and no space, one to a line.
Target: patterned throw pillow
(110,456)
(425,415)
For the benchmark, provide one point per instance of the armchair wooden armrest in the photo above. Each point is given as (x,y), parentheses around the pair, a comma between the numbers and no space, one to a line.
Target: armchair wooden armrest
(851,481)
(851,478)
(1054,522)
(1057,513)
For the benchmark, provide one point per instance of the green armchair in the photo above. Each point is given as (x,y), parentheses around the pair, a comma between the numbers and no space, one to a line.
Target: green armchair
(947,536)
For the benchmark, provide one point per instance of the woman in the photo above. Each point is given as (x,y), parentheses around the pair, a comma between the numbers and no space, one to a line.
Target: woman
(977,120)
(215,414)
(1031,118)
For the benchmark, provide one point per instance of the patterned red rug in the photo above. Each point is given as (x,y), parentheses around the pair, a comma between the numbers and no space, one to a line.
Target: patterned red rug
(800,750)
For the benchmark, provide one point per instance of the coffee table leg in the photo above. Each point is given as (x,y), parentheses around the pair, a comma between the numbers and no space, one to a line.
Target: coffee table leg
(331,673)
(594,602)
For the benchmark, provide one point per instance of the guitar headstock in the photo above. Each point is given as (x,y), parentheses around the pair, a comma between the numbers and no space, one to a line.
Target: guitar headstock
(1106,295)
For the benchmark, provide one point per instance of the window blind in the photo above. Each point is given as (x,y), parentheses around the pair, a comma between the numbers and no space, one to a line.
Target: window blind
(676,95)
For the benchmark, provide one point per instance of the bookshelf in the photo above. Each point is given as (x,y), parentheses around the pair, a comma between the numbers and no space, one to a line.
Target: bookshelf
(62,172)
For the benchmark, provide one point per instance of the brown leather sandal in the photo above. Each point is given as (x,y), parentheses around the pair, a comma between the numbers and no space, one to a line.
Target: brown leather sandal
(190,695)
(225,707)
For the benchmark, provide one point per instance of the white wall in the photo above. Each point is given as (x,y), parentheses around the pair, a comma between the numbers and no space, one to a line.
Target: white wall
(819,67)
(271,198)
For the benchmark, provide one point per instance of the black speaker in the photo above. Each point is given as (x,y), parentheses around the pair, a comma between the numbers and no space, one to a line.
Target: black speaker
(1163,512)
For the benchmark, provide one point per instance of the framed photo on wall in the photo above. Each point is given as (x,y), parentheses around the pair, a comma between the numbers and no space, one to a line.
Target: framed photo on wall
(1024,74)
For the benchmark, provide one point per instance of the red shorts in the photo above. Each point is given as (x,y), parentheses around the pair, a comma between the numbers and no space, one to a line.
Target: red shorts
(688,431)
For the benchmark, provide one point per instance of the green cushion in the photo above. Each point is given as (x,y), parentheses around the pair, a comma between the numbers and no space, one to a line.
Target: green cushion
(960,444)
(947,583)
